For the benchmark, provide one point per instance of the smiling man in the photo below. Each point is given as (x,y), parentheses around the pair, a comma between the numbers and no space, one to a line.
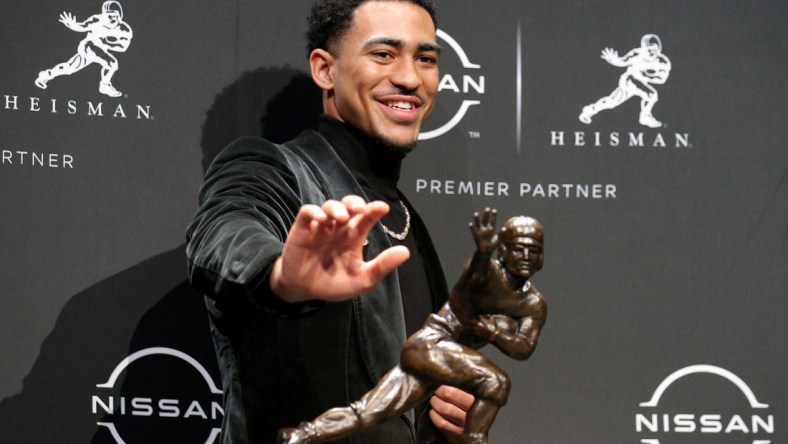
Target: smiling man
(302,248)
(382,75)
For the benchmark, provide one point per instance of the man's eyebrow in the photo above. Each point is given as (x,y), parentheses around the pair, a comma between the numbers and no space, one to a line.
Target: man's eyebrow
(397,43)
(388,41)
(430,47)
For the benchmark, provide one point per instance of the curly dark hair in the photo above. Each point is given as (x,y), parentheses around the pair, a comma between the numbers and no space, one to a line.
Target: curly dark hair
(330,19)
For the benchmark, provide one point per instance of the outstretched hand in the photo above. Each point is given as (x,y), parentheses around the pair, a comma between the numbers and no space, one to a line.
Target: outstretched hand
(69,20)
(322,257)
(610,55)
(483,230)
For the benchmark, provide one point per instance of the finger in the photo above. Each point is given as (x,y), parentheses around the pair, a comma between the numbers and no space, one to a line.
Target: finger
(453,395)
(478,329)
(444,425)
(476,221)
(373,211)
(375,270)
(336,211)
(354,204)
(486,218)
(493,217)
(308,216)
(449,408)
(448,411)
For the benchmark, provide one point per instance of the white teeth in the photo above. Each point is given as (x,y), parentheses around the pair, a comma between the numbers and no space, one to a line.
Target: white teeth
(401,105)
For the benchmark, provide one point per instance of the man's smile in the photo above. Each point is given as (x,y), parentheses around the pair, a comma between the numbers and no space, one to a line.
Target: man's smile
(401,105)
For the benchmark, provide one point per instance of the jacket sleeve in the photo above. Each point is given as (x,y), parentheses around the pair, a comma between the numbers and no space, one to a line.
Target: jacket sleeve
(247,204)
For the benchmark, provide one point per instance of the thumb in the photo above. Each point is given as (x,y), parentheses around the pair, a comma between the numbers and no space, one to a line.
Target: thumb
(388,260)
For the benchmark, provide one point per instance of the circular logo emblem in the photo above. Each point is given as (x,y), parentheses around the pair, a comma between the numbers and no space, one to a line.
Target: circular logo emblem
(704,403)
(461,87)
(159,395)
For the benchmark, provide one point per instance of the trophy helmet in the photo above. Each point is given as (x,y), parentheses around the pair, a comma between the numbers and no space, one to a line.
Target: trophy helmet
(651,40)
(523,227)
(112,6)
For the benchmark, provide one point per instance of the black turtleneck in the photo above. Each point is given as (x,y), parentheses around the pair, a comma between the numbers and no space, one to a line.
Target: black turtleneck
(377,170)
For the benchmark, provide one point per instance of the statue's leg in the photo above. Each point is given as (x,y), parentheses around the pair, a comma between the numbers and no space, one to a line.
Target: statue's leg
(396,393)
(491,387)
(479,419)
(331,424)
(460,366)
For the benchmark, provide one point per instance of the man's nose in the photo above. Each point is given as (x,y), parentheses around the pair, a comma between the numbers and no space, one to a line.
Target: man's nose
(406,74)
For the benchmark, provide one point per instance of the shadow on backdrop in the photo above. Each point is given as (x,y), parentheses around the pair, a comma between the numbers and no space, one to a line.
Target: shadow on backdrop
(160,398)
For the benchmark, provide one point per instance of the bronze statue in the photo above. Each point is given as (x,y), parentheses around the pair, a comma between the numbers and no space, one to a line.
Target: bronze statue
(492,302)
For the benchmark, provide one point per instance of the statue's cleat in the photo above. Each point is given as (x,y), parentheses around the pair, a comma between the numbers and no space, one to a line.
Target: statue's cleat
(106,88)
(43,78)
(586,115)
(650,121)
(292,436)
(474,438)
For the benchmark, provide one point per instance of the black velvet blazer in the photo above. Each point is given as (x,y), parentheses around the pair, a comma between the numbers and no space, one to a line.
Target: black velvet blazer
(281,363)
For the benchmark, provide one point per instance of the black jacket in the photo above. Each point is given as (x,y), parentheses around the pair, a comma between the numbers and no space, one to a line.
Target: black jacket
(280,363)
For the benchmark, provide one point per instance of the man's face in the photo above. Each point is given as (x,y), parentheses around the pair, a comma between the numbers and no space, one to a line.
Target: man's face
(652,51)
(522,256)
(112,19)
(385,72)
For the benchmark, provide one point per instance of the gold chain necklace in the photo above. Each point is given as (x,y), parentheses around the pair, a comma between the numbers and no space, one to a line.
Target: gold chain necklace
(404,234)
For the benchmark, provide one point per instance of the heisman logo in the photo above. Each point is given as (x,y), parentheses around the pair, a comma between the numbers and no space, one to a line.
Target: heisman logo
(713,425)
(645,66)
(448,83)
(162,416)
(104,33)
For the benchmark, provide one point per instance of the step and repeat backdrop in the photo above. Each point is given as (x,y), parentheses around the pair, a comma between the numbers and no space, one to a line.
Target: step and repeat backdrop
(648,136)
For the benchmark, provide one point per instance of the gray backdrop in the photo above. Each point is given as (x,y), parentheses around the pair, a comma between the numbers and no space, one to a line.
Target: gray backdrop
(666,247)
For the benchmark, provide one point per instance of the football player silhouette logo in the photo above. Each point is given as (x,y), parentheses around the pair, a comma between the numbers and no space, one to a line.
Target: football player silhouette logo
(105,33)
(645,66)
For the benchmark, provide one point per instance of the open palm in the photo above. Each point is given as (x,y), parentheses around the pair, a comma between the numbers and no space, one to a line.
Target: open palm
(322,257)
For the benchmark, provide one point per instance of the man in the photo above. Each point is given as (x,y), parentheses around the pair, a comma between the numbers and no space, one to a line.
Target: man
(105,33)
(492,302)
(306,309)
(645,66)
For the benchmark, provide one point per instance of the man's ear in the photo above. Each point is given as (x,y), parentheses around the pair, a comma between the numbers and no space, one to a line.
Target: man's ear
(321,64)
